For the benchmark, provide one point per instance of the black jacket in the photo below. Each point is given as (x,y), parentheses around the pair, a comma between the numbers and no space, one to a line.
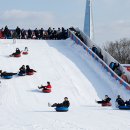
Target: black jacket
(120,102)
(66,103)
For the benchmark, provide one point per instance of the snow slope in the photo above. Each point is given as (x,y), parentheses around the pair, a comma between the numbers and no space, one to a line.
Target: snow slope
(72,73)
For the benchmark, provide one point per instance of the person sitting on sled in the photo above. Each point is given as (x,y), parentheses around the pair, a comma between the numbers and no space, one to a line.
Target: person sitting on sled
(65,103)
(4,73)
(17,52)
(47,87)
(25,50)
(127,103)
(106,100)
(120,101)
(28,69)
(22,70)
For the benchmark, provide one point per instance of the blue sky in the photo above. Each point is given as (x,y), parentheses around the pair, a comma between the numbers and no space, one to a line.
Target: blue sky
(111,17)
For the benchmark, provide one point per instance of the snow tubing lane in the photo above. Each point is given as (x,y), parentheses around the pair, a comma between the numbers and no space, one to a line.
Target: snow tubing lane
(61,109)
(124,107)
(7,77)
(106,104)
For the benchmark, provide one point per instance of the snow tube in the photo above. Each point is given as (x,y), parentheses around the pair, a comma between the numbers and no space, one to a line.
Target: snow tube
(46,90)
(21,74)
(61,109)
(106,104)
(124,107)
(30,73)
(25,52)
(8,77)
(17,55)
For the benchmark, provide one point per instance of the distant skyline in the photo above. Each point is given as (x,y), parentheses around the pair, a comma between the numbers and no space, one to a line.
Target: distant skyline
(111,17)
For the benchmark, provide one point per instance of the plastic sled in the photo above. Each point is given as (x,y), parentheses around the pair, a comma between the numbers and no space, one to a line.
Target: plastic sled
(17,55)
(124,107)
(61,109)
(106,104)
(20,74)
(30,73)
(46,91)
(8,77)
(25,53)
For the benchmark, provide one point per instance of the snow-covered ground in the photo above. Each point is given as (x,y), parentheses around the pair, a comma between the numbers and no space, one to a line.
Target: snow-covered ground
(72,73)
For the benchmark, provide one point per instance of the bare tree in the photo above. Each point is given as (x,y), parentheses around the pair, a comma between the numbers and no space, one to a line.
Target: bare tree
(120,50)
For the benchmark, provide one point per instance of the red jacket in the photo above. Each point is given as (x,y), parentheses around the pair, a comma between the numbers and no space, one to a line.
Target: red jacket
(48,87)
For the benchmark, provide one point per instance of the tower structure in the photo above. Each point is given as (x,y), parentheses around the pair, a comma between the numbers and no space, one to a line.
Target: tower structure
(88,21)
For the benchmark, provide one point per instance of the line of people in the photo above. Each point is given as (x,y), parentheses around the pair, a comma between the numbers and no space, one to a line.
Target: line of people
(19,33)
(22,71)
(119,101)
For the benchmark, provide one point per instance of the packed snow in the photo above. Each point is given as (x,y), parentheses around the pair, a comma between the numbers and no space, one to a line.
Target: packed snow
(73,73)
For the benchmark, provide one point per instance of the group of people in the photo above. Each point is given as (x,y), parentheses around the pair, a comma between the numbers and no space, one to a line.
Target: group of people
(19,33)
(116,68)
(23,70)
(119,101)
(77,33)
(18,52)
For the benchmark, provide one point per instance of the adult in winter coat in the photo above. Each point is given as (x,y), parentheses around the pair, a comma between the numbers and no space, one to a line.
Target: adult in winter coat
(22,70)
(2,74)
(120,101)
(47,87)
(28,69)
(106,100)
(17,52)
(65,103)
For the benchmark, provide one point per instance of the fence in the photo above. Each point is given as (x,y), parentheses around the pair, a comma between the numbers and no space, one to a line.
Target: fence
(104,65)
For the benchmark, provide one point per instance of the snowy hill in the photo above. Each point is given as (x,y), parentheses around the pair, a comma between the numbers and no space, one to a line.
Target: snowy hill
(72,73)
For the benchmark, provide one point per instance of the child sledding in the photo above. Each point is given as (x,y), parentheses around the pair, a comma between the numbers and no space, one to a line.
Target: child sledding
(26,71)
(17,53)
(7,75)
(25,52)
(105,102)
(47,88)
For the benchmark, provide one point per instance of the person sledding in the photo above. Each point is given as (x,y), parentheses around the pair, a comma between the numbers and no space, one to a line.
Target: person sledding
(46,88)
(22,70)
(65,103)
(127,103)
(104,101)
(119,101)
(25,52)
(17,52)
(4,73)
(29,71)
